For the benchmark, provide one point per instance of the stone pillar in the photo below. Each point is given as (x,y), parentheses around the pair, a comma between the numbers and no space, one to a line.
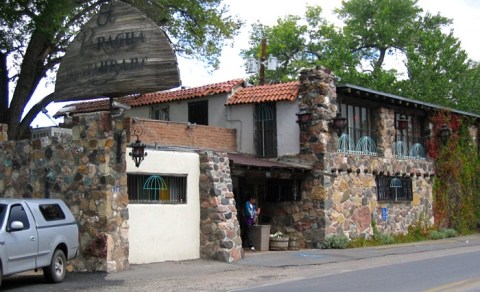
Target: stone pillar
(99,197)
(219,227)
(3,132)
(386,132)
(318,95)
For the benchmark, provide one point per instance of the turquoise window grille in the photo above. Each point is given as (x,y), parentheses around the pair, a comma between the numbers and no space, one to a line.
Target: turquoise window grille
(156,189)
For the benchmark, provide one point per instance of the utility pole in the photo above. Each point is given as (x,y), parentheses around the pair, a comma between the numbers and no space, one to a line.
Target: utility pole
(262,62)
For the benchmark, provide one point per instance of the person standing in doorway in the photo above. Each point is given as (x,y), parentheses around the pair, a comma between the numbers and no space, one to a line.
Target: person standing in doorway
(251,214)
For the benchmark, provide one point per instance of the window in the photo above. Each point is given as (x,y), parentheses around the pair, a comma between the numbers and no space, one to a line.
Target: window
(394,188)
(198,112)
(160,113)
(409,141)
(156,189)
(282,190)
(52,212)
(360,134)
(265,130)
(17,213)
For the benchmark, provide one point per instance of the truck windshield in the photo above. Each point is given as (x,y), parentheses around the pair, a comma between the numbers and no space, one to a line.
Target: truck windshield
(3,209)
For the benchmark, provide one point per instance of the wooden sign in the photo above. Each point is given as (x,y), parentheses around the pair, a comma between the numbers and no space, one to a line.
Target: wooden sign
(118,52)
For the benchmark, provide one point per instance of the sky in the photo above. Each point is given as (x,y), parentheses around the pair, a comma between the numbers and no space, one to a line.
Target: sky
(465,15)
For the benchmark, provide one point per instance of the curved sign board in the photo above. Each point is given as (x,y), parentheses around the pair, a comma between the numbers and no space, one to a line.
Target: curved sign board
(118,52)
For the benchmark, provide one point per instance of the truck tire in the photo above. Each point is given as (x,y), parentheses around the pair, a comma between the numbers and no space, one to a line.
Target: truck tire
(55,272)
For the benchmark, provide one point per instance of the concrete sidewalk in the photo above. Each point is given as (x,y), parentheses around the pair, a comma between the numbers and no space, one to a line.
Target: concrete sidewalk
(322,256)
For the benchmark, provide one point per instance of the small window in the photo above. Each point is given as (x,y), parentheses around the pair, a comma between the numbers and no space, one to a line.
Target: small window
(52,212)
(198,112)
(17,213)
(160,113)
(282,190)
(156,189)
(394,188)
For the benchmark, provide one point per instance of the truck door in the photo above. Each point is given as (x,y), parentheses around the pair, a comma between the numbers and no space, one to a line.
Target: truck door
(21,244)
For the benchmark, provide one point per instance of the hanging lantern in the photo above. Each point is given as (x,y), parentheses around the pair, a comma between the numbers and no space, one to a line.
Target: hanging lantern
(304,118)
(138,152)
(339,123)
(402,122)
(444,133)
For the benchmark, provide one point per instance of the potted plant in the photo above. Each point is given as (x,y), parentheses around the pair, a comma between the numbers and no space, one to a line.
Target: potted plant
(278,241)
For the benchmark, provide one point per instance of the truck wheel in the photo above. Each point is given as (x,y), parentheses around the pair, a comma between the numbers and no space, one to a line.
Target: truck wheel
(55,272)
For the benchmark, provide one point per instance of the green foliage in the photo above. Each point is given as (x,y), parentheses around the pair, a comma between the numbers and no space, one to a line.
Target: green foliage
(436,69)
(434,235)
(35,34)
(456,187)
(338,241)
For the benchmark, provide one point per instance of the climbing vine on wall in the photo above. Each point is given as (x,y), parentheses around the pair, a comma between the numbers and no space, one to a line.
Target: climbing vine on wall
(457,186)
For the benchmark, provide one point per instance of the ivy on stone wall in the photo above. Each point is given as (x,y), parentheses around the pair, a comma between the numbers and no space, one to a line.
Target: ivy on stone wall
(456,188)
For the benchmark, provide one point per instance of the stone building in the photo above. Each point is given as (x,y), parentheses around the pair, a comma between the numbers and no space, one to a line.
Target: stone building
(212,146)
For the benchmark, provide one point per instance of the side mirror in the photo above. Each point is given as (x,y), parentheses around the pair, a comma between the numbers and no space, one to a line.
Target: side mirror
(16,225)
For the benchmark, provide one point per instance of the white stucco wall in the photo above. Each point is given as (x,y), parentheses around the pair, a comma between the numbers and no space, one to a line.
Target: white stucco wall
(164,232)
(240,117)
(288,131)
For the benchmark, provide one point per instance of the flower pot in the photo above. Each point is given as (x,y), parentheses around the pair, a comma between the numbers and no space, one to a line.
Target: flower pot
(278,243)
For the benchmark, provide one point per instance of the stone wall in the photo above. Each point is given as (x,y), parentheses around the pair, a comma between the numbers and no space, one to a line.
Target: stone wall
(85,173)
(220,230)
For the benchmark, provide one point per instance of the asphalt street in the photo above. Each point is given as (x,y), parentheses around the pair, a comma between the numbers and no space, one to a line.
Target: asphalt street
(256,269)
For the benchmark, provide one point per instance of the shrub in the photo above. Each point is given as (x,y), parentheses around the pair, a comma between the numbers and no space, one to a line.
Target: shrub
(385,239)
(336,241)
(437,235)
(449,232)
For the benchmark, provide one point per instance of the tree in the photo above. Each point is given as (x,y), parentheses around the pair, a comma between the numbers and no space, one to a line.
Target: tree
(36,33)
(431,65)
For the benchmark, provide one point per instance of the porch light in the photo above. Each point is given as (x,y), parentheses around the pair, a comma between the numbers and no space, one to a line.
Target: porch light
(444,133)
(138,151)
(304,118)
(339,123)
(402,122)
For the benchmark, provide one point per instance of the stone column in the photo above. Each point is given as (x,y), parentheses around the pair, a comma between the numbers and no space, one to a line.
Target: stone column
(318,96)
(220,230)
(98,195)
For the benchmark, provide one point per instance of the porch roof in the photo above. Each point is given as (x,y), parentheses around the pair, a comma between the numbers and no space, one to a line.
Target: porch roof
(251,162)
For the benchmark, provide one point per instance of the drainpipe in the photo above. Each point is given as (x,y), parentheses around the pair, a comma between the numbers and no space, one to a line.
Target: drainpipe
(239,135)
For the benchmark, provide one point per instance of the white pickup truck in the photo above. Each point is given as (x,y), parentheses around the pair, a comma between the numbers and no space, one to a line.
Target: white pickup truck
(36,233)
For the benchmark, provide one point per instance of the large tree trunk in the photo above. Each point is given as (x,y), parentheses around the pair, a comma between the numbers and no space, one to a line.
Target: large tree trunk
(3,88)
(32,71)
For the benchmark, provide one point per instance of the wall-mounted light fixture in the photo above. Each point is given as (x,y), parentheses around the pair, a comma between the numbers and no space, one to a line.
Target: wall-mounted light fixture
(402,123)
(138,151)
(339,123)
(444,133)
(304,118)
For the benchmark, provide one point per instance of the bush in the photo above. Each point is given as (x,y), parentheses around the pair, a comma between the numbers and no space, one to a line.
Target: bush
(336,241)
(385,239)
(449,232)
(437,235)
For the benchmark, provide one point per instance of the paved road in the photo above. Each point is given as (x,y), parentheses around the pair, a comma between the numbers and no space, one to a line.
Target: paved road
(257,269)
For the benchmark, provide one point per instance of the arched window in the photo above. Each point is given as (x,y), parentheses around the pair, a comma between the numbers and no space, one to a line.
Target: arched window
(265,130)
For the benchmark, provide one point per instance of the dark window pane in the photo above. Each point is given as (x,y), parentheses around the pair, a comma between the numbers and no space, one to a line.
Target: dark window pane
(52,212)
(198,112)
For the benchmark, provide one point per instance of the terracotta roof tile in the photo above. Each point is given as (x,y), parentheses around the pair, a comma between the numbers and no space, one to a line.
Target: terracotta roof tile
(266,93)
(158,97)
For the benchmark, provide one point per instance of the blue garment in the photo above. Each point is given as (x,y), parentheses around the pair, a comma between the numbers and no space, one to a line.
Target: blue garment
(250,210)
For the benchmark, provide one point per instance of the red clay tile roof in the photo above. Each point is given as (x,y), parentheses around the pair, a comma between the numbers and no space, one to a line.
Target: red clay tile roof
(158,97)
(266,93)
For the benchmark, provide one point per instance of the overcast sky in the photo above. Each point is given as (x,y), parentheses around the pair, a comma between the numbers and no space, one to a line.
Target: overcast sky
(465,15)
